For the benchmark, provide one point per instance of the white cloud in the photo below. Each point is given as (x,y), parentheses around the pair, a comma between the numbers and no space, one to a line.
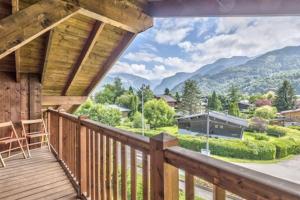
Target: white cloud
(143,56)
(173,31)
(245,37)
(158,71)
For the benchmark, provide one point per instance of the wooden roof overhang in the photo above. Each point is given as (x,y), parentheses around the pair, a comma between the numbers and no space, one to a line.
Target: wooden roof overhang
(71,44)
(222,8)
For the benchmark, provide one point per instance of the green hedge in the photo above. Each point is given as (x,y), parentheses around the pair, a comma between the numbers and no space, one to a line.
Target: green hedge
(286,146)
(277,131)
(256,150)
(262,148)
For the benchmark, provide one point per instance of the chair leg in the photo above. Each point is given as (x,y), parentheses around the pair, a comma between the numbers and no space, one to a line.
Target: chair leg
(2,161)
(23,152)
(48,142)
(9,150)
(42,140)
(28,150)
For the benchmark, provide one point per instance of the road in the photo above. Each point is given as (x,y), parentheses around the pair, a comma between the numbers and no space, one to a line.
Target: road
(287,169)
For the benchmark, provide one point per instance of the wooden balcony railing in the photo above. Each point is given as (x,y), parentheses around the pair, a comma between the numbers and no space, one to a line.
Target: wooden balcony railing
(105,163)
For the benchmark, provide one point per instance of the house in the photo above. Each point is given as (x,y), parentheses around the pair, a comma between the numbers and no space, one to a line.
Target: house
(244,105)
(125,111)
(220,125)
(292,117)
(170,100)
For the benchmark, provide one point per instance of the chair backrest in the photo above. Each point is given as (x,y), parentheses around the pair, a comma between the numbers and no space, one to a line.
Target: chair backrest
(34,122)
(9,125)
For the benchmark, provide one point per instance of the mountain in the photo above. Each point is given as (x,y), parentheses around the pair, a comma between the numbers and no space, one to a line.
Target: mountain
(209,69)
(260,74)
(171,82)
(126,79)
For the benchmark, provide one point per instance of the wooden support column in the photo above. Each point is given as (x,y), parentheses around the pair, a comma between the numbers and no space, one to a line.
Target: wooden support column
(83,157)
(15,9)
(164,177)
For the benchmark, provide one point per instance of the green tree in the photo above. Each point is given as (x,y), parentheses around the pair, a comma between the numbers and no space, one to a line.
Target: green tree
(285,97)
(158,113)
(130,90)
(214,102)
(167,91)
(234,109)
(110,92)
(147,93)
(234,94)
(177,97)
(265,112)
(100,113)
(191,98)
(130,101)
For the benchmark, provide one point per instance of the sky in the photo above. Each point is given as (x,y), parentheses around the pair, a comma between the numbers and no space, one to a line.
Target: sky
(185,44)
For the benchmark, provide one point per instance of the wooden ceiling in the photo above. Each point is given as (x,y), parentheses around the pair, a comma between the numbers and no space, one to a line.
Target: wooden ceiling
(71,45)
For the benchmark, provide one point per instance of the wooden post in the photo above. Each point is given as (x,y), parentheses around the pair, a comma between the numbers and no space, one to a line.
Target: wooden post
(48,126)
(164,177)
(60,136)
(83,158)
(219,193)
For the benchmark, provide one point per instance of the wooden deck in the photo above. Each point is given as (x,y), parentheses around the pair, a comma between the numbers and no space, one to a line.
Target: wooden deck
(40,177)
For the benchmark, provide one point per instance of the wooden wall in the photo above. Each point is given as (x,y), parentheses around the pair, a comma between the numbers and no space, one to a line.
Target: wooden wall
(19,100)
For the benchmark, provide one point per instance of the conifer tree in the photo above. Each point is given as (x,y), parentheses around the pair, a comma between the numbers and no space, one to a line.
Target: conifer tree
(285,97)
(191,98)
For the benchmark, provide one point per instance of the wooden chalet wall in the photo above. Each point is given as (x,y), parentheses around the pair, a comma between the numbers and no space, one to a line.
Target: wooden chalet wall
(19,100)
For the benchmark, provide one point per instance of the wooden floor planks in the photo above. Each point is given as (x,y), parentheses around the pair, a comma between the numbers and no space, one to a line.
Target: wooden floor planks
(40,177)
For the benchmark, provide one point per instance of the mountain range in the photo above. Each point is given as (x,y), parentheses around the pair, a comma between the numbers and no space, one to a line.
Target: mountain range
(251,75)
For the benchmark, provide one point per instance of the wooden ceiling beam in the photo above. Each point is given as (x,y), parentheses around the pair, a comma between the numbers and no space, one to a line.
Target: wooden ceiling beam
(46,60)
(29,23)
(116,13)
(86,50)
(125,41)
(220,8)
(15,9)
(63,100)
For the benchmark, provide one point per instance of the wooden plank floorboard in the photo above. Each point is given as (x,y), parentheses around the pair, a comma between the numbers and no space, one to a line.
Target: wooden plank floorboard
(39,177)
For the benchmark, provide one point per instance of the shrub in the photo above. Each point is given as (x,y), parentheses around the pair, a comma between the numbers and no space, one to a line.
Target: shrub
(261,136)
(257,125)
(265,112)
(137,120)
(277,131)
(295,127)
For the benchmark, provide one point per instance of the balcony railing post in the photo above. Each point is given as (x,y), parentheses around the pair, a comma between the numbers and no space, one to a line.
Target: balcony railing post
(218,193)
(60,136)
(49,125)
(83,159)
(164,177)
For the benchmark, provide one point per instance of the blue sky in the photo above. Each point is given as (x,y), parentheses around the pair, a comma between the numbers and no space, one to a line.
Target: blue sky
(185,44)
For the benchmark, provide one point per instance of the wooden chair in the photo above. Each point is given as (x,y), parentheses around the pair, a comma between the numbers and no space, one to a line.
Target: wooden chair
(41,133)
(13,138)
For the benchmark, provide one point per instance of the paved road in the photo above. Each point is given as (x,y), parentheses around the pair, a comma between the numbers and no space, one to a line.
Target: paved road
(288,169)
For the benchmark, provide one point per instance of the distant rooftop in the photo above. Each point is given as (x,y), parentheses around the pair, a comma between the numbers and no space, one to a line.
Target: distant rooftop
(120,108)
(167,98)
(221,116)
(290,111)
